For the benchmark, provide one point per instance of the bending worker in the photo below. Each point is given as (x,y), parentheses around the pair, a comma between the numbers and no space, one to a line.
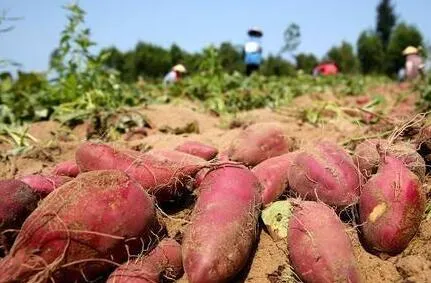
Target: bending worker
(326,68)
(175,74)
(414,65)
(253,51)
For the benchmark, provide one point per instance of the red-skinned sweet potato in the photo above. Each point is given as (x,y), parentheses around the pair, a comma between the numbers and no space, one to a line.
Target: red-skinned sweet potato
(198,149)
(164,173)
(367,158)
(327,173)
(162,262)
(17,201)
(67,168)
(391,207)
(273,174)
(259,142)
(218,242)
(84,227)
(44,184)
(319,247)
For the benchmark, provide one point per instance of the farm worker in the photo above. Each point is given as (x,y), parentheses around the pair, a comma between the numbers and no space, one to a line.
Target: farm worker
(326,69)
(253,50)
(414,65)
(175,74)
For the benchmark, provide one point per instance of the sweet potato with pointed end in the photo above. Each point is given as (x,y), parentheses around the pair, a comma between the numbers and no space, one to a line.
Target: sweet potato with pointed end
(327,173)
(367,157)
(218,242)
(391,207)
(198,149)
(164,173)
(164,262)
(319,247)
(273,174)
(67,168)
(259,142)
(84,227)
(44,184)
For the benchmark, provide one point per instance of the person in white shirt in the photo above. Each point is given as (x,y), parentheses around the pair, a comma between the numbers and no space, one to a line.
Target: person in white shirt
(414,66)
(174,75)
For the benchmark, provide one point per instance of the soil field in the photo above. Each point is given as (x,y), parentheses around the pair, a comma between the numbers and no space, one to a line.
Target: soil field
(312,117)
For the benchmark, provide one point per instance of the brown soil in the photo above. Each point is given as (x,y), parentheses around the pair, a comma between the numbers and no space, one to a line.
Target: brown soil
(270,262)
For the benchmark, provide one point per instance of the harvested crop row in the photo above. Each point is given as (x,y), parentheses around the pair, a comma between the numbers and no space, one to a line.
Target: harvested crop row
(164,173)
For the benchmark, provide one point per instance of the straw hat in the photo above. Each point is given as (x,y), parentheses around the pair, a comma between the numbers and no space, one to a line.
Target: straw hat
(179,68)
(410,50)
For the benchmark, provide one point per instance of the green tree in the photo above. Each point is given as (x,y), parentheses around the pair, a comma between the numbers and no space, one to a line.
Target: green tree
(306,62)
(151,60)
(115,58)
(130,72)
(371,53)
(231,57)
(277,66)
(177,54)
(386,20)
(402,36)
(344,57)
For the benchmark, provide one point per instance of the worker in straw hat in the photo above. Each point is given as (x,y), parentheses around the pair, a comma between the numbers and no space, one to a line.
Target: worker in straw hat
(253,50)
(414,65)
(175,74)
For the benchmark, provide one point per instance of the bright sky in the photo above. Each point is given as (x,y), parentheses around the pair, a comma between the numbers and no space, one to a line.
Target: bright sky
(192,24)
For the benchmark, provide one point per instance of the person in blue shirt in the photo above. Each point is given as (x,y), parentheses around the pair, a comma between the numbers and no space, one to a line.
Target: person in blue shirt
(253,51)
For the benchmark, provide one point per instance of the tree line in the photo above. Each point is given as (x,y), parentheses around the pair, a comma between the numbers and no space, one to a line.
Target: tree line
(377,51)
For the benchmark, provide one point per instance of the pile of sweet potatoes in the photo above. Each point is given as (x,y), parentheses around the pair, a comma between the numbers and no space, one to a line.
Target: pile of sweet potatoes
(383,181)
(96,216)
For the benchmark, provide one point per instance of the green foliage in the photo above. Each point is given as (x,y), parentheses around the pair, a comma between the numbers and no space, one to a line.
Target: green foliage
(402,36)
(344,57)
(150,61)
(425,89)
(277,66)
(176,54)
(88,86)
(386,20)
(231,58)
(82,86)
(306,62)
(371,53)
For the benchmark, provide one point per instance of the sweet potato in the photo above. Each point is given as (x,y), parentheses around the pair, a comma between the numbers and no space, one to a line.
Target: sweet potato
(162,262)
(391,207)
(198,149)
(164,173)
(273,174)
(218,242)
(367,157)
(17,201)
(44,184)
(87,226)
(319,248)
(327,173)
(259,142)
(67,168)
